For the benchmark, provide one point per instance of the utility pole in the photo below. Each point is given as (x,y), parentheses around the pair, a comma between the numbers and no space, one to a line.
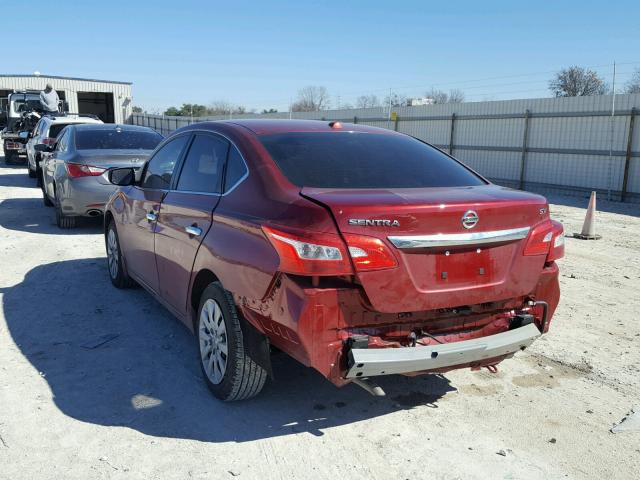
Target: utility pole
(612,126)
(389,116)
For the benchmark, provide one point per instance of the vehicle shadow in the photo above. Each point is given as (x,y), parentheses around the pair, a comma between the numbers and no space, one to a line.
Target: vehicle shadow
(17,179)
(30,215)
(117,358)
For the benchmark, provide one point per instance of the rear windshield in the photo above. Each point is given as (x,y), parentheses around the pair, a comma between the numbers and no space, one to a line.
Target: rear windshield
(116,139)
(54,130)
(364,160)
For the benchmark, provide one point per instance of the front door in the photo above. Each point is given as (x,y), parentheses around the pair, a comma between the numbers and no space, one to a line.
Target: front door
(185,215)
(142,206)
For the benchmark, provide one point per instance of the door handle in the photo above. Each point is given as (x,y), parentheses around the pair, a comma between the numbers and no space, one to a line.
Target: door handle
(193,230)
(152,217)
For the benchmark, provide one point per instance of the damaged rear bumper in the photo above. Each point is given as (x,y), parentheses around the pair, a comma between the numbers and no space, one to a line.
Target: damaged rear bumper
(370,362)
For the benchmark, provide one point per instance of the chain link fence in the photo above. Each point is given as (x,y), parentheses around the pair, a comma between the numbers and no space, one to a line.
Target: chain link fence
(548,145)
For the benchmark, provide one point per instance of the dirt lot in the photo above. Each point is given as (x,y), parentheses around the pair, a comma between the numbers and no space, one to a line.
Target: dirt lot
(135,407)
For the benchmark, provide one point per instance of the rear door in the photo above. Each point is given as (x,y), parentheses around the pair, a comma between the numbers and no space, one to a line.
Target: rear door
(185,215)
(142,206)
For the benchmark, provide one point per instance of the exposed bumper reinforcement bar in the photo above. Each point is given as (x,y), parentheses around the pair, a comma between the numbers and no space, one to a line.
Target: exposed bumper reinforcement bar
(370,362)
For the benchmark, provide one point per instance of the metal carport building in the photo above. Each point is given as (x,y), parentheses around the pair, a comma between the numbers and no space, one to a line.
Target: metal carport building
(109,100)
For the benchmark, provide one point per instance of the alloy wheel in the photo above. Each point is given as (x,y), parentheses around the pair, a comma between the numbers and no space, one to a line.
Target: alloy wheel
(112,253)
(212,335)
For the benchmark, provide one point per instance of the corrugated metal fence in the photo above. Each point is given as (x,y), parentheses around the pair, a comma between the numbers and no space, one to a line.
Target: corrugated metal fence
(551,145)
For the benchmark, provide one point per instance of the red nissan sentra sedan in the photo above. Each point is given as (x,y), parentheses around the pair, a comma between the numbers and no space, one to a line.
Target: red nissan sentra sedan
(356,250)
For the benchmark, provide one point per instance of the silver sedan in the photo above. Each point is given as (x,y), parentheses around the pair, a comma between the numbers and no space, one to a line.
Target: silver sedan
(75,168)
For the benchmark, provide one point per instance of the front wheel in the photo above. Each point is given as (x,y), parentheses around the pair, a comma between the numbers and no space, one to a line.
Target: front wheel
(117,274)
(32,173)
(228,370)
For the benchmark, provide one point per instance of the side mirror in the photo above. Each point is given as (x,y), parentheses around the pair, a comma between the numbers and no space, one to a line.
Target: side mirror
(41,147)
(122,176)
(23,135)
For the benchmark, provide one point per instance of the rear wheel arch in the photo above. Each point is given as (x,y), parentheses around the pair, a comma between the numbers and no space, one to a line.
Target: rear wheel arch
(202,280)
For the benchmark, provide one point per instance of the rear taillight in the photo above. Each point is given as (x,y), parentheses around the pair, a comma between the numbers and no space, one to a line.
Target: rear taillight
(557,243)
(369,253)
(539,240)
(78,170)
(546,239)
(48,141)
(315,254)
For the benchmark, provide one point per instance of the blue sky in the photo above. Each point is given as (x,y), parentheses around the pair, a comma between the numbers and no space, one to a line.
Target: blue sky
(258,54)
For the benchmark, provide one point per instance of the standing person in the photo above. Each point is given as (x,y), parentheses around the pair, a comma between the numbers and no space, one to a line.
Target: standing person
(49,99)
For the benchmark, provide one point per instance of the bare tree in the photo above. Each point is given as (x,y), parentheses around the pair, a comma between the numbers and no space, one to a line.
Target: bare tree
(438,96)
(456,96)
(223,107)
(311,99)
(396,100)
(633,85)
(367,101)
(577,82)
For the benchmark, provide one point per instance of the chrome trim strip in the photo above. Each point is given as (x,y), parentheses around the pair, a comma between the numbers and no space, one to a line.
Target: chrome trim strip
(459,239)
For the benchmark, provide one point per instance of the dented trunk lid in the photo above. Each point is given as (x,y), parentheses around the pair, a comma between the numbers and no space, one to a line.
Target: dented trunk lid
(442,264)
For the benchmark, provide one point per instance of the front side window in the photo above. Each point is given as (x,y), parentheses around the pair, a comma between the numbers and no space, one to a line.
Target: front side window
(353,160)
(160,168)
(203,165)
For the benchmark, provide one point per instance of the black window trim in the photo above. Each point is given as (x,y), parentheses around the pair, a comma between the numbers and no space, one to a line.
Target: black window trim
(174,181)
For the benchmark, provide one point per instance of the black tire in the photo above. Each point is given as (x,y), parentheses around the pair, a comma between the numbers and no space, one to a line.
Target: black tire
(117,274)
(46,200)
(242,378)
(63,221)
(10,157)
(32,174)
(39,172)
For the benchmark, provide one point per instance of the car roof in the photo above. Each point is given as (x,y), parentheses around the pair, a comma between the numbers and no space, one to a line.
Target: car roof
(112,126)
(74,119)
(273,126)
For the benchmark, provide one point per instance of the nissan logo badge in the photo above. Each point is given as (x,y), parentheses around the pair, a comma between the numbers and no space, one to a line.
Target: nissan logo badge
(470,219)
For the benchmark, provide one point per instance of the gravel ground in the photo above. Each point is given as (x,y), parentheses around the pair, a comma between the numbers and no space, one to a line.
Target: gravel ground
(135,407)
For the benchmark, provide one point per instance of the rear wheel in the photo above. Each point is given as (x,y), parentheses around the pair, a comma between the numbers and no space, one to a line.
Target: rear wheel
(46,200)
(117,274)
(10,157)
(228,370)
(63,221)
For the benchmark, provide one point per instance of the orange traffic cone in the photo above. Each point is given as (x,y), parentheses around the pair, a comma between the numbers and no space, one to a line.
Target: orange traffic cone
(589,226)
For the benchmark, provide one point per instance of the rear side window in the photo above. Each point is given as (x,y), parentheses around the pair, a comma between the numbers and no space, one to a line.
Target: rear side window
(236,169)
(202,169)
(364,160)
(116,139)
